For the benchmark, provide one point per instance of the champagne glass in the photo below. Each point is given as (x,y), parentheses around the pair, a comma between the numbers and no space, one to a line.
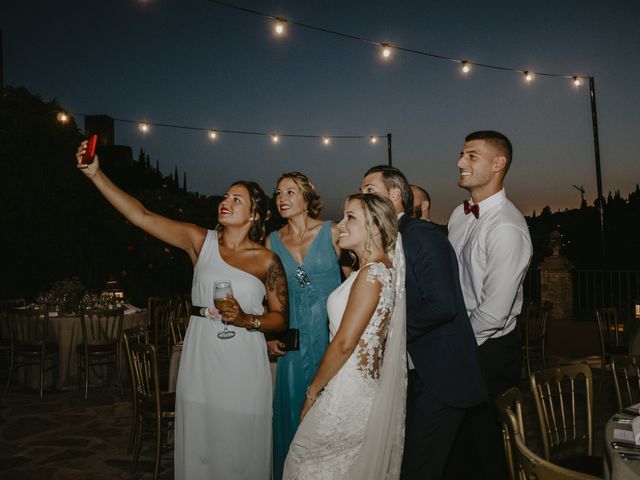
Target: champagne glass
(220,291)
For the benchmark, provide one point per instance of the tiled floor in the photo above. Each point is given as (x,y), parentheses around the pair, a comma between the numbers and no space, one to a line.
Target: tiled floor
(64,436)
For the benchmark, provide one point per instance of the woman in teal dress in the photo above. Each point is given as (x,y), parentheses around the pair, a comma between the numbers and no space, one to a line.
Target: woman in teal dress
(308,249)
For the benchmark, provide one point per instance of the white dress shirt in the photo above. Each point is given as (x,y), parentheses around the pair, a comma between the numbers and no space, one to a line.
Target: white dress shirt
(493,253)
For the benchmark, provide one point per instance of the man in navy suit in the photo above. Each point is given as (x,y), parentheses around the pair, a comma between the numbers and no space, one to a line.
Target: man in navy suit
(444,374)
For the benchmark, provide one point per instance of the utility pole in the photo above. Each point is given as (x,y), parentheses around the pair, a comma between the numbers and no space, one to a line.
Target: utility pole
(389,158)
(1,64)
(596,147)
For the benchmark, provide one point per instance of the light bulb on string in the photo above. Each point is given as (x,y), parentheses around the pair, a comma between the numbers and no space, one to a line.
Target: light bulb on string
(213,135)
(275,138)
(144,127)
(465,67)
(326,140)
(577,81)
(373,139)
(528,76)
(62,117)
(386,50)
(279,27)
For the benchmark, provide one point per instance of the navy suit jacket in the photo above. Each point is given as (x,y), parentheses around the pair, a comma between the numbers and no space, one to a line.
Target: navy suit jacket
(440,339)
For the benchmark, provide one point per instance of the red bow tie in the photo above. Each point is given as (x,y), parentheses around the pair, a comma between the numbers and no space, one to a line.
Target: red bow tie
(468,208)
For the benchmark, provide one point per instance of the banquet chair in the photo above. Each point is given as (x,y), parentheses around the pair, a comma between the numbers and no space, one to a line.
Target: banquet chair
(178,328)
(28,330)
(510,402)
(180,321)
(626,379)
(564,404)
(138,335)
(183,306)
(611,338)
(154,408)
(100,347)
(6,306)
(533,325)
(523,463)
(161,312)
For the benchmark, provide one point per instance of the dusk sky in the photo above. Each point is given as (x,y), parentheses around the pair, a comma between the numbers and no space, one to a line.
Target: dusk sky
(195,63)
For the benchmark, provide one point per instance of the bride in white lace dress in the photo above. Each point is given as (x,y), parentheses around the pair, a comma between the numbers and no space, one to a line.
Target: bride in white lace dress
(353,418)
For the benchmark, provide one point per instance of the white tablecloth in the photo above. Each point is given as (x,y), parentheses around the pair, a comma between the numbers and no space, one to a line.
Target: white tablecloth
(615,467)
(66,331)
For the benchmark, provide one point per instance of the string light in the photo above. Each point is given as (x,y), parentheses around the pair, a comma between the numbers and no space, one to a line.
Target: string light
(386,50)
(528,76)
(577,81)
(62,117)
(213,134)
(279,27)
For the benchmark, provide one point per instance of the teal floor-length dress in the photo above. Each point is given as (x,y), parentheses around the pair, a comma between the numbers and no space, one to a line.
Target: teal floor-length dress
(310,283)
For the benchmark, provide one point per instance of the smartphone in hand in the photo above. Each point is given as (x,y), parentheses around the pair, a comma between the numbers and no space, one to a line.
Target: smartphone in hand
(89,153)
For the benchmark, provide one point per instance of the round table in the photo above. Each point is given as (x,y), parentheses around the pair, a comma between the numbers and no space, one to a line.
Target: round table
(615,467)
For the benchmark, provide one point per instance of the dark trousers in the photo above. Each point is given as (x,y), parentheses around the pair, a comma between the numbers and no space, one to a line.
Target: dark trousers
(430,430)
(478,451)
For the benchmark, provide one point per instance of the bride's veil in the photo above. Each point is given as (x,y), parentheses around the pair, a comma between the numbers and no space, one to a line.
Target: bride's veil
(381,454)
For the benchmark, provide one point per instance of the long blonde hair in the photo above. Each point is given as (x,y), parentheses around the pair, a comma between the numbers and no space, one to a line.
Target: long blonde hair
(378,212)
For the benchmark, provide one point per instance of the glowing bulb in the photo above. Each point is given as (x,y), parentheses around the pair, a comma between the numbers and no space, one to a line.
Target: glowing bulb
(275,138)
(326,140)
(386,50)
(62,117)
(213,134)
(528,76)
(279,28)
(465,67)
(373,139)
(577,81)
(144,127)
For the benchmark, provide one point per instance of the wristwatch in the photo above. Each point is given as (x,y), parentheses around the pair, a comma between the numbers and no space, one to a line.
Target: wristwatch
(255,322)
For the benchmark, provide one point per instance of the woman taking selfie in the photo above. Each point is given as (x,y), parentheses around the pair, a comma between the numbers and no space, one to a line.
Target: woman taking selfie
(223,394)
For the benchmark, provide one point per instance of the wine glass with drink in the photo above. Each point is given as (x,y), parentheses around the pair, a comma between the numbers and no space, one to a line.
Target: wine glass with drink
(220,291)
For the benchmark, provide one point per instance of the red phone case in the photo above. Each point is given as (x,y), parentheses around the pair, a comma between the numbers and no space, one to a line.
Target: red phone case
(87,158)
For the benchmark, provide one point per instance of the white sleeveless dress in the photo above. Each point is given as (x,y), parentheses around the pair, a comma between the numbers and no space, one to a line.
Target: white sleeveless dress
(223,393)
(330,437)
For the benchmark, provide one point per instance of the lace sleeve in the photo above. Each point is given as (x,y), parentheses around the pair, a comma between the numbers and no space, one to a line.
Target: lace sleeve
(370,348)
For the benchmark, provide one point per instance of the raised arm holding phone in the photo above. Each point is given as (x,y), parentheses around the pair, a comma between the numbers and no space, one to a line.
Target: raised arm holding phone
(223,393)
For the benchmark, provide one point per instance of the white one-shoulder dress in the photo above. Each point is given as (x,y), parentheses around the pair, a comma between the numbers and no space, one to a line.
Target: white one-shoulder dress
(223,393)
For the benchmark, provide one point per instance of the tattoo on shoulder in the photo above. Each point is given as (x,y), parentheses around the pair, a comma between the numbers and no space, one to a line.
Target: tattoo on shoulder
(277,282)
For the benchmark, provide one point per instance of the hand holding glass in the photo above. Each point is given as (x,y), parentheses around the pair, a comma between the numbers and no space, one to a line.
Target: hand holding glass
(220,291)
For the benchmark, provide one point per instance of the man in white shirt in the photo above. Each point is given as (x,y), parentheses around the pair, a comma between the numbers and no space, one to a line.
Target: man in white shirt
(491,240)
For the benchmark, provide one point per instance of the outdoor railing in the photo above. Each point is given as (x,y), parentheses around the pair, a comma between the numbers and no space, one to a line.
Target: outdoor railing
(605,288)
(593,289)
